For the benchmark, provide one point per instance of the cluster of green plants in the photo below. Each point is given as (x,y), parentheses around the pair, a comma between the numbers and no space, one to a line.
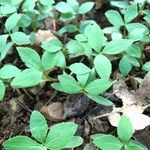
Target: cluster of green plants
(62,136)
(122,41)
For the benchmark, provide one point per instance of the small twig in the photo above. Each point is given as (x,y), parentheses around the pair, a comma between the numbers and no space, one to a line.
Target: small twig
(28,94)
(108,114)
(25,107)
(101,116)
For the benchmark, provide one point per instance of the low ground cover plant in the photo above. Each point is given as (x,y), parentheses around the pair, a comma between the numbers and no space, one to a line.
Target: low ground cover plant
(122,142)
(58,137)
(95,48)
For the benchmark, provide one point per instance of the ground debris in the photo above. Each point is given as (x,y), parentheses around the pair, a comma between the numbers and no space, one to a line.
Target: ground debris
(134,104)
(76,105)
(53,112)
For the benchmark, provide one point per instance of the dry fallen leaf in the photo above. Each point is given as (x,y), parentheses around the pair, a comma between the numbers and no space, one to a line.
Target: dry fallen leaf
(53,112)
(134,104)
(43,35)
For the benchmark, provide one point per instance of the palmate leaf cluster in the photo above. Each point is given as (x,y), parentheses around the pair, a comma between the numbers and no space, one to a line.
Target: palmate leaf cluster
(123,141)
(58,137)
(122,41)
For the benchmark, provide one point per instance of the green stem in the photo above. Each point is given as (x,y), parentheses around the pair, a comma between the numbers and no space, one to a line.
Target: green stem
(142,7)
(46,77)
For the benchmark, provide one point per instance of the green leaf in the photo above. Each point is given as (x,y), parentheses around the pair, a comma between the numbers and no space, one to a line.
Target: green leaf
(134,147)
(116,35)
(133,51)
(81,38)
(9,71)
(4,2)
(131,13)
(69,28)
(2,89)
(125,129)
(3,38)
(57,86)
(146,66)
(74,142)
(59,135)
(38,126)
(27,78)
(86,7)
(125,66)
(4,47)
(5,50)
(25,21)
(98,86)
(139,1)
(73,4)
(63,7)
(137,34)
(82,79)
(61,61)
(75,47)
(103,66)
(100,100)
(29,5)
(79,68)
(85,24)
(49,60)
(69,84)
(120,4)
(132,26)
(134,61)
(22,143)
(46,2)
(95,36)
(137,145)
(114,18)
(117,46)
(147,18)
(106,142)
(20,38)
(16,2)
(30,57)
(67,16)
(12,21)
(7,9)
(52,45)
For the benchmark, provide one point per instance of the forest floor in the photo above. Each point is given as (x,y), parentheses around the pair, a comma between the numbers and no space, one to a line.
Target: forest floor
(15,110)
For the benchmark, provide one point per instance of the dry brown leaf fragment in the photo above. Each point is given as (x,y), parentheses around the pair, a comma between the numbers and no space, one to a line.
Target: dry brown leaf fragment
(53,112)
(43,35)
(134,104)
(144,87)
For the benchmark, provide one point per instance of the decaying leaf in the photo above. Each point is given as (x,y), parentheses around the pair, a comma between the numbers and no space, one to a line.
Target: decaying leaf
(145,87)
(43,35)
(134,104)
(53,112)
(75,105)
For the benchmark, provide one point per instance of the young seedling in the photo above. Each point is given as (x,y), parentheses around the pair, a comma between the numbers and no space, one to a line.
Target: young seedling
(122,142)
(58,137)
